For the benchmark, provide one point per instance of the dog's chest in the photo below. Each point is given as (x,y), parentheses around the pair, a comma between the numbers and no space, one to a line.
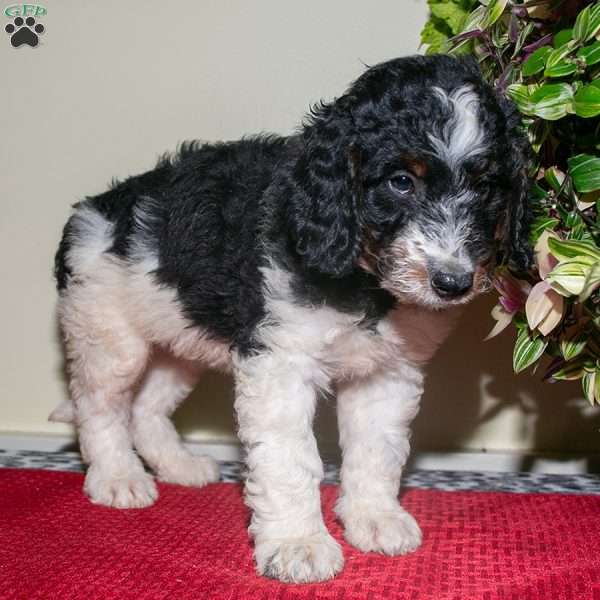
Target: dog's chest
(344,345)
(407,335)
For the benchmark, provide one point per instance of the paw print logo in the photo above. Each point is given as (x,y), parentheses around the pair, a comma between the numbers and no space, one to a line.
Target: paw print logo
(24,32)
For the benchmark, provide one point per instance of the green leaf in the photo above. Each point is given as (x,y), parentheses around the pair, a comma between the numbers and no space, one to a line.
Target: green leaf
(555,177)
(561,69)
(571,371)
(582,26)
(585,171)
(537,192)
(557,55)
(562,37)
(573,219)
(521,96)
(587,101)
(536,61)
(574,346)
(592,283)
(558,64)
(527,350)
(573,249)
(552,101)
(435,39)
(568,278)
(494,11)
(578,231)
(475,19)
(594,24)
(590,382)
(499,39)
(540,225)
(452,14)
(590,54)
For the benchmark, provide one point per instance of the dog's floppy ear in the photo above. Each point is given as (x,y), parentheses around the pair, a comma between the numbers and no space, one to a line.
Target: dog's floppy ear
(322,211)
(516,246)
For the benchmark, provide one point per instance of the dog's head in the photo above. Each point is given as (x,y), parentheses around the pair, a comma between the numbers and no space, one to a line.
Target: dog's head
(417,174)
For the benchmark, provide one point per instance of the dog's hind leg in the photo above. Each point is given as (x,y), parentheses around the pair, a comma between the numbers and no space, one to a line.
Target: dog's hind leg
(106,358)
(168,381)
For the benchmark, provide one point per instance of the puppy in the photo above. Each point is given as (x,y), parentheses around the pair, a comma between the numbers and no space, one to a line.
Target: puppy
(334,260)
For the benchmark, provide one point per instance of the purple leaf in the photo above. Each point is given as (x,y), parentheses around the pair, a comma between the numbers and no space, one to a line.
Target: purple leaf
(513,29)
(556,365)
(543,41)
(467,35)
(502,82)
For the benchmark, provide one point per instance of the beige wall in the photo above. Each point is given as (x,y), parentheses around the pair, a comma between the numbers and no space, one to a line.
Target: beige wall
(112,85)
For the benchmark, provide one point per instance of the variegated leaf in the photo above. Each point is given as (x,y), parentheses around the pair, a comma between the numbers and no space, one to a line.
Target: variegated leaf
(521,96)
(568,278)
(585,171)
(588,383)
(573,346)
(555,177)
(592,283)
(527,350)
(552,101)
(571,371)
(494,11)
(568,249)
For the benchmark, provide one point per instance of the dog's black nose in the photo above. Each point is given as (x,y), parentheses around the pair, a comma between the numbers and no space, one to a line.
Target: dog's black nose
(451,284)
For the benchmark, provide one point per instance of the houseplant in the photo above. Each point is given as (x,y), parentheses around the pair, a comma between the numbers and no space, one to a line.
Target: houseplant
(545,55)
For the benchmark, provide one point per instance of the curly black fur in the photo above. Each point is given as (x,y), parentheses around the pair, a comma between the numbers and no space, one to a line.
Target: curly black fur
(215,213)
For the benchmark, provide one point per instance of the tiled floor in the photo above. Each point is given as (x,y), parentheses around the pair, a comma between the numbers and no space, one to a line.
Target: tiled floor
(231,471)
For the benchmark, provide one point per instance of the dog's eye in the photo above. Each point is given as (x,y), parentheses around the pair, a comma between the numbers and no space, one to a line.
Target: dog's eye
(402,184)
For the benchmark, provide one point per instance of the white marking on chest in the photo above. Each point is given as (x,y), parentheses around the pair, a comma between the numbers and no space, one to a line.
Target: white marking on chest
(339,343)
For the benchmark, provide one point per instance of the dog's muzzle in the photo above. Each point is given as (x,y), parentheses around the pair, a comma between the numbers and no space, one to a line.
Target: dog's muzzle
(451,284)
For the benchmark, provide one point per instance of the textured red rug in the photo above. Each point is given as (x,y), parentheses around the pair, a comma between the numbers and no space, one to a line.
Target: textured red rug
(193,544)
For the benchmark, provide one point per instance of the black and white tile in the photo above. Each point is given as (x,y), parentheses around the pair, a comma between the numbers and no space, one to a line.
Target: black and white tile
(232,471)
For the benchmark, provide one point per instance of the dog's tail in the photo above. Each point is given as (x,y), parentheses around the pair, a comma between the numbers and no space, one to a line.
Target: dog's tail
(63,413)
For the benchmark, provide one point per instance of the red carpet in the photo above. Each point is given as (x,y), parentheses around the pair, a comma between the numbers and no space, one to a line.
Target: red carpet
(192,544)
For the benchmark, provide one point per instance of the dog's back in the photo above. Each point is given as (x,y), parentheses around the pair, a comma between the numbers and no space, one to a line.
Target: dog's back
(202,202)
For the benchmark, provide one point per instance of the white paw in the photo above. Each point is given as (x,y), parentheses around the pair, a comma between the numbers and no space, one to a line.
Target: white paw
(391,532)
(134,490)
(188,469)
(300,560)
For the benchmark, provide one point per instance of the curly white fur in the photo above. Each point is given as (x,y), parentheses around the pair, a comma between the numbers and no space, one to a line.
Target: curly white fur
(124,389)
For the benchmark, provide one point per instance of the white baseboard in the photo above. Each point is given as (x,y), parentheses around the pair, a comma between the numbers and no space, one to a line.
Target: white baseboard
(504,462)
(500,461)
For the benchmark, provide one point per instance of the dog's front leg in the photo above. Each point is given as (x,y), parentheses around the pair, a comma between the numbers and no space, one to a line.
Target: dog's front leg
(275,405)
(374,415)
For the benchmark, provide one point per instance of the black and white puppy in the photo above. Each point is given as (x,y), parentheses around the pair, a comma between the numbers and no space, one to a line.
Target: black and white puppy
(331,260)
